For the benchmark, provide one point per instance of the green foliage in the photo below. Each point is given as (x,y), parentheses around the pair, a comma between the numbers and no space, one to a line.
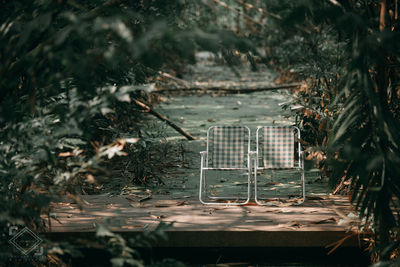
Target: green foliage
(349,60)
(67,71)
(123,252)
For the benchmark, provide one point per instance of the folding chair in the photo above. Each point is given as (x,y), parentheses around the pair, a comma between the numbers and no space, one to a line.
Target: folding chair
(228,149)
(278,148)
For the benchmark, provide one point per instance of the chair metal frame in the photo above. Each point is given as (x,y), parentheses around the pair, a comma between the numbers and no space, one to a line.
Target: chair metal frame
(300,164)
(204,167)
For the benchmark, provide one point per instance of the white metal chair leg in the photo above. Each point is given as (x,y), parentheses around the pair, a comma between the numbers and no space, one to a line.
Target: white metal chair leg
(257,199)
(202,187)
(303,182)
(303,188)
(300,165)
(202,179)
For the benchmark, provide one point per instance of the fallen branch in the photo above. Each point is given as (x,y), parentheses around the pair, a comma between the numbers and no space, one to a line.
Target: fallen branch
(250,6)
(221,3)
(231,90)
(340,186)
(340,242)
(169,76)
(163,118)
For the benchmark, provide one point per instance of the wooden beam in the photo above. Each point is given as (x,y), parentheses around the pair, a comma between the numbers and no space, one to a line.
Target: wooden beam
(245,90)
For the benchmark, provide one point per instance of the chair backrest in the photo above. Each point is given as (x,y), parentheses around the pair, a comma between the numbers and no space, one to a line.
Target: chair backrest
(276,146)
(228,146)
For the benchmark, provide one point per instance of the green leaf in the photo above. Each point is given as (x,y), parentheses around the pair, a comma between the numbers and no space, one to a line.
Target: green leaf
(102,231)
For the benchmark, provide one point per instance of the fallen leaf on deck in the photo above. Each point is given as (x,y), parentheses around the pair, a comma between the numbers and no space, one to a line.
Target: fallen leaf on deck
(181,203)
(271,183)
(210,211)
(54,216)
(274,211)
(162,205)
(240,183)
(314,198)
(310,211)
(130,200)
(291,225)
(157,216)
(132,226)
(127,227)
(296,224)
(145,198)
(180,197)
(250,204)
(329,220)
(286,210)
(258,221)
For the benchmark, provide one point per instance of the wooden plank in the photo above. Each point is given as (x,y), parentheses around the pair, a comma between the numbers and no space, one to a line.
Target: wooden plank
(314,224)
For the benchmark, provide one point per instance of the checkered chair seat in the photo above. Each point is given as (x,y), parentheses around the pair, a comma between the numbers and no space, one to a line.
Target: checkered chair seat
(228,147)
(277,147)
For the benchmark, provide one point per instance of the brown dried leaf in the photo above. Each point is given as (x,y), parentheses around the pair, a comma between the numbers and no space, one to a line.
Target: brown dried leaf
(130,200)
(66,154)
(181,203)
(296,224)
(328,220)
(127,227)
(145,198)
(314,198)
(162,205)
(271,183)
(90,179)
(161,216)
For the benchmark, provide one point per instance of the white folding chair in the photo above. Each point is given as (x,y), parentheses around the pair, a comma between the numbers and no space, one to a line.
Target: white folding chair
(228,149)
(278,148)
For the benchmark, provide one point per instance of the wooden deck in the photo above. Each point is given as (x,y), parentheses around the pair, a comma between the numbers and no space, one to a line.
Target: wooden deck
(316,223)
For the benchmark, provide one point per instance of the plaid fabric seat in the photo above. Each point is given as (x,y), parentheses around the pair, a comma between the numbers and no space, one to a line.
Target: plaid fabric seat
(228,147)
(228,150)
(277,147)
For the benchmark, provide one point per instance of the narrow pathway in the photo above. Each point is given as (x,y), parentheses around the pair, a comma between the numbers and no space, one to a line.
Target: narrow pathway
(196,113)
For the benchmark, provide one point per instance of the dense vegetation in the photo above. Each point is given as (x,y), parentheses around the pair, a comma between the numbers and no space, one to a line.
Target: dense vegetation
(71,70)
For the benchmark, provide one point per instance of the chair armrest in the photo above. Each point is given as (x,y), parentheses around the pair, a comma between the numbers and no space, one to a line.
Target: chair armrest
(253,154)
(203,158)
(203,155)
